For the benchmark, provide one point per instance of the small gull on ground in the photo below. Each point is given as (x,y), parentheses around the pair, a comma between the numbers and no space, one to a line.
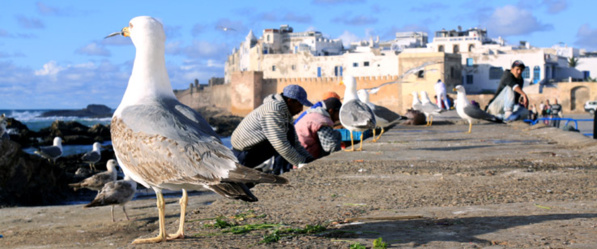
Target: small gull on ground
(470,112)
(52,152)
(430,109)
(115,193)
(355,115)
(96,182)
(93,156)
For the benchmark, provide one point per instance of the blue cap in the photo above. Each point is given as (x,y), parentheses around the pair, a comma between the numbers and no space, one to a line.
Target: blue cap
(298,93)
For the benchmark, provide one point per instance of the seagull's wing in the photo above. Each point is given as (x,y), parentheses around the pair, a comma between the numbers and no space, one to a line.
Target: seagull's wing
(168,145)
(50,151)
(357,114)
(386,114)
(113,193)
(476,113)
(91,157)
(431,108)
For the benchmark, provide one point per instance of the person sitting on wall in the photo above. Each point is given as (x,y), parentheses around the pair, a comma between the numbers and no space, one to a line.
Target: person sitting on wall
(318,104)
(510,102)
(268,131)
(315,130)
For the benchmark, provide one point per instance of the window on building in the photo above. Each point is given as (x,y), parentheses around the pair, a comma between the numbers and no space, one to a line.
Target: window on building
(536,74)
(274,68)
(495,73)
(469,62)
(366,64)
(470,47)
(440,48)
(355,64)
(293,67)
(456,49)
(469,79)
(526,73)
(267,38)
(338,71)
(318,71)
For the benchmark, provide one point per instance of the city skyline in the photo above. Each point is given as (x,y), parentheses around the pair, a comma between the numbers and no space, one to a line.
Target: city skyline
(53,55)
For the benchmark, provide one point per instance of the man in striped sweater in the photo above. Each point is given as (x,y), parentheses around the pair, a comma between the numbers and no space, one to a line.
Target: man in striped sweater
(268,131)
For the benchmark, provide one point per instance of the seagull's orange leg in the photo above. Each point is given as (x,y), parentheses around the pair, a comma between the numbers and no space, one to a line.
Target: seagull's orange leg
(162,222)
(382,131)
(361,144)
(351,142)
(184,200)
(470,127)
(373,140)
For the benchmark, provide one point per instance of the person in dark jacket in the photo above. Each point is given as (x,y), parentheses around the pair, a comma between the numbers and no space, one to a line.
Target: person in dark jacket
(509,97)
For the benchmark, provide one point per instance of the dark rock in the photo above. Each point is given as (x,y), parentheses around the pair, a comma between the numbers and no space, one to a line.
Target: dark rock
(92,111)
(414,117)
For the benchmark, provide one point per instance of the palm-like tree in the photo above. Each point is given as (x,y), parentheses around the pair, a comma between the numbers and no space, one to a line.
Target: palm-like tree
(572,62)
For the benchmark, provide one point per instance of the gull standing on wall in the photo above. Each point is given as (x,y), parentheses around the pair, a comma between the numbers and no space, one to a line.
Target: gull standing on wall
(470,112)
(355,115)
(384,117)
(430,109)
(163,144)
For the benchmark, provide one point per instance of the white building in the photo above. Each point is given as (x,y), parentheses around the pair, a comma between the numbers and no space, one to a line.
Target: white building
(484,60)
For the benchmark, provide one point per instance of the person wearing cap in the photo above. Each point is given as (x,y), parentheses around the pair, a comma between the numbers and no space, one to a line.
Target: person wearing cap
(326,95)
(315,130)
(507,99)
(268,131)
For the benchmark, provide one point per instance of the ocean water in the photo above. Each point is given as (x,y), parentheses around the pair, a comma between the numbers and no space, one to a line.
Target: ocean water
(33,121)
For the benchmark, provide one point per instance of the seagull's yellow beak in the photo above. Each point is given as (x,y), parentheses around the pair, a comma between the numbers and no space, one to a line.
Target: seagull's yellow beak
(125,32)
(341,83)
(454,89)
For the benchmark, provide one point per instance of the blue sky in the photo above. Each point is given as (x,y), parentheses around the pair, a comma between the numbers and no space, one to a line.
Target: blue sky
(53,55)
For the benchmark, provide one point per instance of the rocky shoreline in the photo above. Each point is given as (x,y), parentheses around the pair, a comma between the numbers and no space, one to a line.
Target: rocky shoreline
(29,180)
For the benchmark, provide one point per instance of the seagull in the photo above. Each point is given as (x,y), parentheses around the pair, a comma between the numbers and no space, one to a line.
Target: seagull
(429,108)
(97,181)
(416,105)
(355,115)
(470,112)
(226,28)
(115,193)
(51,152)
(3,123)
(384,117)
(163,144)
(93,156)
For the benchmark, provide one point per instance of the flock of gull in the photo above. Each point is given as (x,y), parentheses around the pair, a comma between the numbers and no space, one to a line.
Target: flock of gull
(163,144)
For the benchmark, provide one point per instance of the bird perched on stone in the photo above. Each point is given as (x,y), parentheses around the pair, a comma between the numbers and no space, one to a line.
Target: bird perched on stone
(115,193)
(470,112)
(163,144)
(355,115)
(93,156)
(96,182)
(384,117)
(428,108)
(3,123)
(52,152)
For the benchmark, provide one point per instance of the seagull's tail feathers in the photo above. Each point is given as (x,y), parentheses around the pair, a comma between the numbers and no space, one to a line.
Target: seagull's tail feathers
(234,190)
(244,174)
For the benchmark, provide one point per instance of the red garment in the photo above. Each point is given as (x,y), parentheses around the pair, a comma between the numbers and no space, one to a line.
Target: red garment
(306,130)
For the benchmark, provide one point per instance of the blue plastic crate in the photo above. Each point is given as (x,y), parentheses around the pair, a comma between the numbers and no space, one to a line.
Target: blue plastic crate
(356,134)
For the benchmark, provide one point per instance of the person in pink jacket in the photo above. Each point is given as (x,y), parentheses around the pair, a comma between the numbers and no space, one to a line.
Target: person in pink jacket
(315,130)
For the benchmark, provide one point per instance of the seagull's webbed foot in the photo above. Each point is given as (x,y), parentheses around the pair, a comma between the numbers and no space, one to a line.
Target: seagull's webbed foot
(162,223)
(184,200)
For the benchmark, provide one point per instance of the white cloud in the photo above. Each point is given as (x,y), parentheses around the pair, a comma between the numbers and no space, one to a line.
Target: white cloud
(93,49)
(348,37)
(510,20)
(555,6)
(49,69)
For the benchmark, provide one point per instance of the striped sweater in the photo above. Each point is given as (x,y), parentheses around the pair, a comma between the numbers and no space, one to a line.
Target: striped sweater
(270,122)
